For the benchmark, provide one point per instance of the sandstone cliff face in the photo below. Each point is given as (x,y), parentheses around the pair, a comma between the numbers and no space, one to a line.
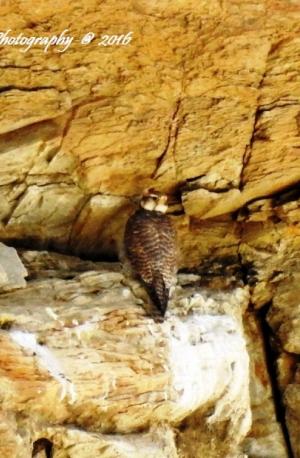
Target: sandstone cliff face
(80,360)
(203,103)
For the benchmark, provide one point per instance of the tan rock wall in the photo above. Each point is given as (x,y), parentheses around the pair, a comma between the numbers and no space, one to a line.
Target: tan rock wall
(199,102)
(80,360)
(203,103)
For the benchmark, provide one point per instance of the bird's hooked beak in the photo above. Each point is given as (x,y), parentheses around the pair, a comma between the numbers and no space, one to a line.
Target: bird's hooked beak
(153,200)
(162,204)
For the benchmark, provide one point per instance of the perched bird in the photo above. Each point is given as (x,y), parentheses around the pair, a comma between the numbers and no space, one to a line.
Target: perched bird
(150,246)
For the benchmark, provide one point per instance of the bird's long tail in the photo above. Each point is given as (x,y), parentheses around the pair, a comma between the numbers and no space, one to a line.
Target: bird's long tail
(159,293)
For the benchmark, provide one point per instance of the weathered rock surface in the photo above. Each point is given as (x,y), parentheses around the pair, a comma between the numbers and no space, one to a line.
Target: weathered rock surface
(266,438)
(203,100)
(270,245)
(12,271)
(292,400)
(203,104)
(79,353)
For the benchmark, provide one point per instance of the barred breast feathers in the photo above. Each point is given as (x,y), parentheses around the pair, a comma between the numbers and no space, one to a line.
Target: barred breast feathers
(150,245)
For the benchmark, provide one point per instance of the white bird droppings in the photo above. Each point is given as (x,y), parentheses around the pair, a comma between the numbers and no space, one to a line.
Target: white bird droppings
(46,358)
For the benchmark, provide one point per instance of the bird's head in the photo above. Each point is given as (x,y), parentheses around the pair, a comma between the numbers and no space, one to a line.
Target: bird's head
(154,201)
